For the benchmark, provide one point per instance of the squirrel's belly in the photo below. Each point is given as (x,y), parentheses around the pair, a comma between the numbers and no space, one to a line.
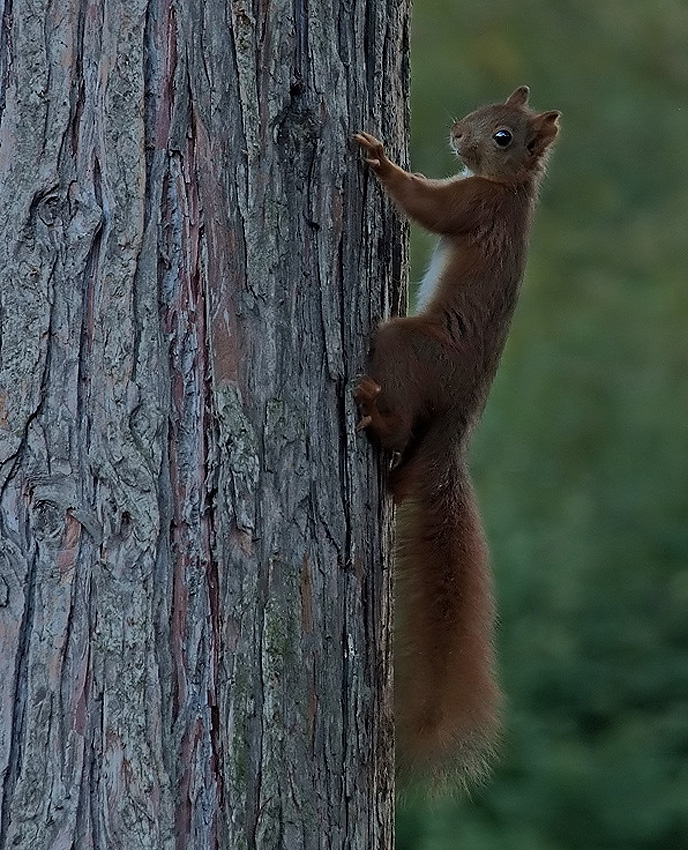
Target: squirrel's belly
(428,286)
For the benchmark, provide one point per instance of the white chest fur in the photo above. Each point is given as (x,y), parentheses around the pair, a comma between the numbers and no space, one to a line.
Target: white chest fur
(428,286)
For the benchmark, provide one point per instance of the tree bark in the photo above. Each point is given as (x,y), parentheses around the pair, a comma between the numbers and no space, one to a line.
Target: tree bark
(195,643)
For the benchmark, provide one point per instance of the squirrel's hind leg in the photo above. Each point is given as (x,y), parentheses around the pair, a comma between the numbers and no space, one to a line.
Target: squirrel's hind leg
(391,428)
(400,381)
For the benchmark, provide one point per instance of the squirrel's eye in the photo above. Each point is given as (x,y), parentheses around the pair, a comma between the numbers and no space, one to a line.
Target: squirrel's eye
(502,138)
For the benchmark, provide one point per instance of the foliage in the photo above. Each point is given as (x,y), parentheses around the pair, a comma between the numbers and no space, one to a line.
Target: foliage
(580,462)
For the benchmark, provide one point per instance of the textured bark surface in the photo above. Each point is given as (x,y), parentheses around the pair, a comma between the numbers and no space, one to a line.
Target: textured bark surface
(194,612)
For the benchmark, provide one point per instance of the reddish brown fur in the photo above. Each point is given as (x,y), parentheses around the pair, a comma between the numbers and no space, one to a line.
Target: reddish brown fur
(428,380)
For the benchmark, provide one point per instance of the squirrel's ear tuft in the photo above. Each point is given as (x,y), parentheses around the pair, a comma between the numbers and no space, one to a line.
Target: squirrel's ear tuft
(519,97)
(548,125)
(545,127)
(550,117)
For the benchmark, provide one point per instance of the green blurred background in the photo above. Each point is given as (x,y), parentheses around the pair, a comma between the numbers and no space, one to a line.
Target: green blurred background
(580,462)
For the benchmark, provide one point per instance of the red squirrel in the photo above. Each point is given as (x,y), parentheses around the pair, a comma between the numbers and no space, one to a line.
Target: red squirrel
(428,379)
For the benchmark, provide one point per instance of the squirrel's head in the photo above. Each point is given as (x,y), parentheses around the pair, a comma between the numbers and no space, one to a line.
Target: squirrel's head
(505,140)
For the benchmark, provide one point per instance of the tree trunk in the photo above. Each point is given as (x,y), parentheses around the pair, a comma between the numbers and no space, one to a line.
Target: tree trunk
(194,590)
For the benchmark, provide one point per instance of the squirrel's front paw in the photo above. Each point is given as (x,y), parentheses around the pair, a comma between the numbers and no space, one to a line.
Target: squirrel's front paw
(376,158)
(366,392)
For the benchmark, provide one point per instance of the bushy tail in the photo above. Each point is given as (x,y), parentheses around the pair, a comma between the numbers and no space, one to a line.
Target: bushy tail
(446,696)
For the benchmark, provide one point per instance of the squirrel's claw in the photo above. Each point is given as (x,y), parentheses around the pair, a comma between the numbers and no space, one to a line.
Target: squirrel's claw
(372,146)
(366,392)
(366,139)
